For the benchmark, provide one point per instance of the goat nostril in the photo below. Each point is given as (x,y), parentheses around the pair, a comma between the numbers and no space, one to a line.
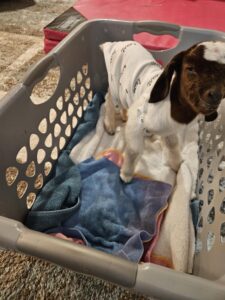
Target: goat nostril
(214,96)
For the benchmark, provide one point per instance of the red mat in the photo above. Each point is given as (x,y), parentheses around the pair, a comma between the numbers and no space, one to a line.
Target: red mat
(195,13)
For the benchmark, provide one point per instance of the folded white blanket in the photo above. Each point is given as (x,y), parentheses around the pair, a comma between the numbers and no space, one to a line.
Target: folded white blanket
(150,163)
(176,240)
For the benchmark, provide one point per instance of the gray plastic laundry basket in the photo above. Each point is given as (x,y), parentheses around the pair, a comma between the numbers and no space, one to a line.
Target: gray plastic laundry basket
(33,132)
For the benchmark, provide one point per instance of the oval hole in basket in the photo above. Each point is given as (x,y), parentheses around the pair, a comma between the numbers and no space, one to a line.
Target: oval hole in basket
(44,89)
(201,188)
(59,103)
(200,224)
(38,184)
(63,118)
(76,99)
(31,169)
(221,165)
(85,104)
(209,161)
(87,83)
(218,136)
(211,215)
(67,95)
(47,168)
(82,92)
(43,125)
(41,155)
(54,153)
(80,111)
(57,130)
(210,240)
(222,184)
(22,155)
(11,175)
(209,146)
(79,77)
(201,135)
(222,232)
(68,131)
(200,148)
(201,156)
(207,137)
(222,207)
(48,141)
(200,160)
(74,122)
(210,177)
(200,173)
(156,42)
(31,197)
(201,203)
(219,148)
(52,115)
(70,109)
(73,84)
(90,95)
(34,140)
(62,142)
(21,188)
(210,195)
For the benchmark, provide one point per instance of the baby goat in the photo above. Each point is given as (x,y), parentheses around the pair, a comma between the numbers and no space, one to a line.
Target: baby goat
(161,102)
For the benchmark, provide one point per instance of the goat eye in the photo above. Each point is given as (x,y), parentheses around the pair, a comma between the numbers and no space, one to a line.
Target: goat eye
(191,70)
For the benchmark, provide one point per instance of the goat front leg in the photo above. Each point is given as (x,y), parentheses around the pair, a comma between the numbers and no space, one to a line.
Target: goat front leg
(110,115)
(134,140)
(127,169)
(171,151)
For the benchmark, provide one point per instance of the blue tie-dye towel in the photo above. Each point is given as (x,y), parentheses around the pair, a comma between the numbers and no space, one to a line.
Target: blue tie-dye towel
(113,216)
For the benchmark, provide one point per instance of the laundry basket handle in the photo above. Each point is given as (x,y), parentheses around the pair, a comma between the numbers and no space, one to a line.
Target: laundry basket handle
(14,235)
(38,71)
(157,28)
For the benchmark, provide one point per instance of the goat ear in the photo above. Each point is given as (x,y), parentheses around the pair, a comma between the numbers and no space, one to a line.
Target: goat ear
(162,85)
(211,117)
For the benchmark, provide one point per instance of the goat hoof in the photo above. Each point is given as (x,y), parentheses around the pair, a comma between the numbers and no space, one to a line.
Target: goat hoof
(123,115)
(125,178)
(109,128)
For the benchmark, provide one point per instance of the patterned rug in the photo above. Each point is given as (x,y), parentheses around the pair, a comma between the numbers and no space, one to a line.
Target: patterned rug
(14,61)
(21,276)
